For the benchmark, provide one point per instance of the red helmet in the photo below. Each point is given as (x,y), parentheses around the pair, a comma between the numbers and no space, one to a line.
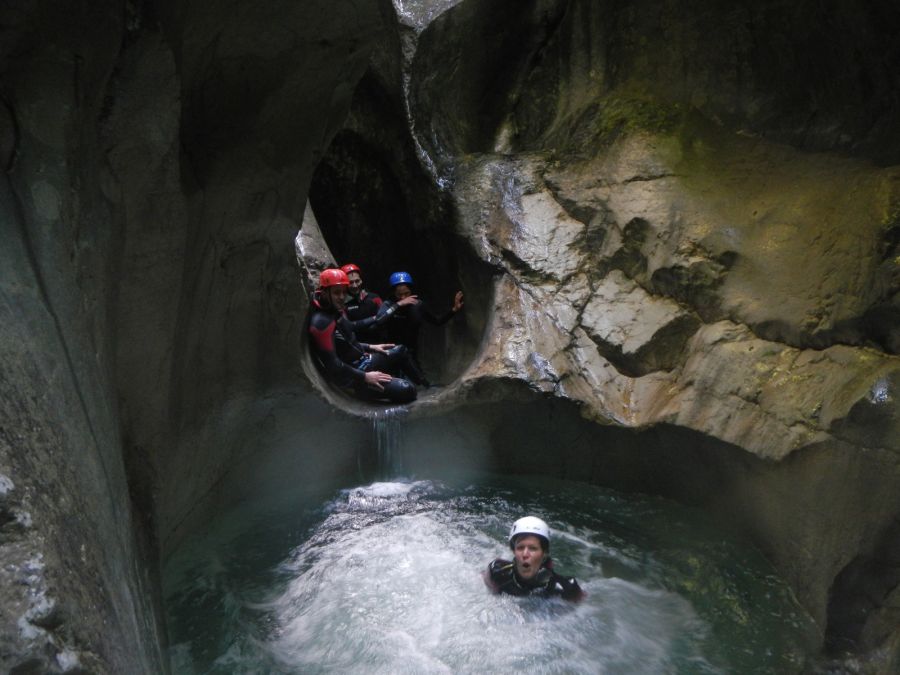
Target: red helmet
(333,277)
(350,267)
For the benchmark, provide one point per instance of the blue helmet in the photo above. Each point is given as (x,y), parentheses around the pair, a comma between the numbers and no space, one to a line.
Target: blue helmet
(398,278)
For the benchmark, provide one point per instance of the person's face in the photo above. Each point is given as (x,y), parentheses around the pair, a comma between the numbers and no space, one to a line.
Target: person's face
(337,296)
(402,291)
(355,283)
(528,556)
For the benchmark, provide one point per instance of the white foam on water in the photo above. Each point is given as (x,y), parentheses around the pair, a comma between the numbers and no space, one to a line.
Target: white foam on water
(384,489)
(406,593)
(387,579)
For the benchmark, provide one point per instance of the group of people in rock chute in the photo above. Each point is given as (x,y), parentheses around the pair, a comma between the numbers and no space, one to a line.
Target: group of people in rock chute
(366,345)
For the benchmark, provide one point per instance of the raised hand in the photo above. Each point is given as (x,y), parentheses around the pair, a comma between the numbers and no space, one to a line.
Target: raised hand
(458,301)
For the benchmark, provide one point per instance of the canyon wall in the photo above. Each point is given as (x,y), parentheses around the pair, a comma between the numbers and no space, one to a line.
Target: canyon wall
(156,159)
(679,221)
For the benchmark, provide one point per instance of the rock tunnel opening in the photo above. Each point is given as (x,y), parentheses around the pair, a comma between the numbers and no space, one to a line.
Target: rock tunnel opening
(372,215)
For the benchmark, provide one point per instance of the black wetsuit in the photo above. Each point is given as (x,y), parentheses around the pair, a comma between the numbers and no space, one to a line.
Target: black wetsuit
(403,327)
(346,360)
(501,577)
(359,310)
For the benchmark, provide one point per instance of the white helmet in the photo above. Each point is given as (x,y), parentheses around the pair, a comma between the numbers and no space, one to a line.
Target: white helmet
(530,525)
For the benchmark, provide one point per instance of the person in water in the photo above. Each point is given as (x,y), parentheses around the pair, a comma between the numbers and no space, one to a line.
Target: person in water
(369,370)
(408,313)
(530,572)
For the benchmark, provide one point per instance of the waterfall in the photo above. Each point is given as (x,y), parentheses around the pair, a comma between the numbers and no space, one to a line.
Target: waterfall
(387,426)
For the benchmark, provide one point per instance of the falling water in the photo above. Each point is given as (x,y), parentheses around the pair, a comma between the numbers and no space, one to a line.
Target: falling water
(386,427)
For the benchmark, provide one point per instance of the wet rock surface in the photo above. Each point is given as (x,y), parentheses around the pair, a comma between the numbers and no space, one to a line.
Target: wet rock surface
(676,228)
(663,250)
(156,156)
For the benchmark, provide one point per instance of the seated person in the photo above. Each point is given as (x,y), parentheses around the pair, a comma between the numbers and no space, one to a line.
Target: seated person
(531,570)
(365,368)
(362,305)
(406,313)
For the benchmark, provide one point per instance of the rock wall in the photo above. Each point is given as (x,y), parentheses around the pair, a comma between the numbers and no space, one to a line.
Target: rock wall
(688,219)
(156,160)
(678,220)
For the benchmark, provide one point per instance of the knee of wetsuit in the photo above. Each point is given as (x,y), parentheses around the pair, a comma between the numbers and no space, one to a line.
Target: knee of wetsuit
(400,390)
(397,351)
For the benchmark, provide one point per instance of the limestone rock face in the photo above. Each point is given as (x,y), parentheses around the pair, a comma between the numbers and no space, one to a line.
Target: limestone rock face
(614,325)
(680,230)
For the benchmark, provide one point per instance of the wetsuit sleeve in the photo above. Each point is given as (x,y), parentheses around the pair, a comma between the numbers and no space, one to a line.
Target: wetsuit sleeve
(568,588)
(497,575)
(364,324)
(321,330)
(489,576)
(432,318)
(385,311)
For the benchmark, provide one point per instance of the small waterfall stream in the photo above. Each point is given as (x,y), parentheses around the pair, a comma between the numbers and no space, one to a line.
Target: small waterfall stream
(387,426)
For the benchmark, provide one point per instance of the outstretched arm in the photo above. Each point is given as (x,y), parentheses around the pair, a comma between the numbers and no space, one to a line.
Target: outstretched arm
(387,309)
(457,306)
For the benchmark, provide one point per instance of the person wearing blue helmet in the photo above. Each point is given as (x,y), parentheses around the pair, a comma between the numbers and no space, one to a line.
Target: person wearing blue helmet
(407,314)
(530,572)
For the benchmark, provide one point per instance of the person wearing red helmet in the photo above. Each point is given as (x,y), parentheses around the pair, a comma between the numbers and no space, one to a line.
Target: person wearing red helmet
(530,572)
(348,363)
(361,305)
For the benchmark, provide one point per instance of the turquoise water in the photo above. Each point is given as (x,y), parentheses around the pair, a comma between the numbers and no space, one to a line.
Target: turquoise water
(385,578)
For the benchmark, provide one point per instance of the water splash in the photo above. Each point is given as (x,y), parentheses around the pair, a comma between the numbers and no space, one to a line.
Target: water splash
(880,393)
(385,578)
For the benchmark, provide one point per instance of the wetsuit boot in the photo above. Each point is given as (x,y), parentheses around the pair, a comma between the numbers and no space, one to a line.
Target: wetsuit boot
(400,361)
(398,390)
(413,371)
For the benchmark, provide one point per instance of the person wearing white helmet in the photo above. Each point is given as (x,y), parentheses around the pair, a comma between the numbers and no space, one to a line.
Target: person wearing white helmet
(531,570)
